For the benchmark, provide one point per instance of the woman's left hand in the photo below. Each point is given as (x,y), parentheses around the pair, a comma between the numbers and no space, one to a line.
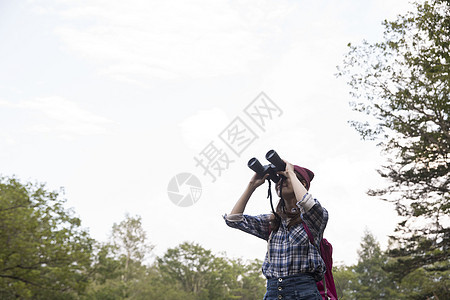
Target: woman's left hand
(289,169)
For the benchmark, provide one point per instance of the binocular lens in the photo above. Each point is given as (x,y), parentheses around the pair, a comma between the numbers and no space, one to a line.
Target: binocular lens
(271,154)
(255,165)
(275,159)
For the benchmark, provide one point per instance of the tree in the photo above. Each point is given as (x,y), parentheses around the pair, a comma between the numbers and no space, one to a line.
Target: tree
(346,282)
(373,281)
(187,272)
(403,85)
(203,275)
(106,283)
(120,270)
(248,282)
(367,279)
(187,266)
(44,253)
(130,241)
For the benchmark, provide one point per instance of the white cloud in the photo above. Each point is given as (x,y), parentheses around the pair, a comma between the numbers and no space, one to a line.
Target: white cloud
(137,40)
(62,117)
(7,139)
(203,127)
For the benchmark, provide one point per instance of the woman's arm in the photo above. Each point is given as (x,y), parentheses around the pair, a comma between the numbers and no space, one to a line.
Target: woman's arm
(254,183)
(299,189)
(316,217)
(256,225)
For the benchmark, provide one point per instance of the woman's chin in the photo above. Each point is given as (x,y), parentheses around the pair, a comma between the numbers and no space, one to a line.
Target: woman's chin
(287,195)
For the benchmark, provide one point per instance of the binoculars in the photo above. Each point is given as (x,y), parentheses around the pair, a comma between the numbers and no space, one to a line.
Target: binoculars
(276,165)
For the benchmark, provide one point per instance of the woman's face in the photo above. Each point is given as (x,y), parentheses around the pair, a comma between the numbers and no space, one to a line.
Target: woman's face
(286,188)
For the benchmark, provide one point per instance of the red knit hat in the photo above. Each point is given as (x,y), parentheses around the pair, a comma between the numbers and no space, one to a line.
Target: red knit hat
(306,174)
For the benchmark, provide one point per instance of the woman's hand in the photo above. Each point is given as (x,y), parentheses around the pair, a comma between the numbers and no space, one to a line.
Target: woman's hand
(289,169)
(294,181)
(257,180)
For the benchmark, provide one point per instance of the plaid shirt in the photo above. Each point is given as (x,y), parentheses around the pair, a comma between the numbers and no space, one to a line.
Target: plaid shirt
(289,251)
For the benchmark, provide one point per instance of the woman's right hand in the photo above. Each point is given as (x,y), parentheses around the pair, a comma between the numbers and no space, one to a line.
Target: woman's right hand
(257,180)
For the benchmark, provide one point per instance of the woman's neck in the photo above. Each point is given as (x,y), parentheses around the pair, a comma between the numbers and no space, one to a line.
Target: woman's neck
(290,203)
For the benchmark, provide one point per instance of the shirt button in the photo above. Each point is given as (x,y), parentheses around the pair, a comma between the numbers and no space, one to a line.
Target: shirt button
(280,297)
(280,288)
(280,279)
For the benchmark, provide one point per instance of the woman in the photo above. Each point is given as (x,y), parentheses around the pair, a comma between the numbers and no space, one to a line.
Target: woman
(292,264)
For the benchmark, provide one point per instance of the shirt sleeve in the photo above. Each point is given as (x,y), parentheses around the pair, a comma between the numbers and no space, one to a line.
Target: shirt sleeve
(314,215)
(255,225)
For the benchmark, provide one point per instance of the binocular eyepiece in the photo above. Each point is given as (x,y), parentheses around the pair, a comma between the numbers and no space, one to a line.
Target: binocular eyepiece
(276,165)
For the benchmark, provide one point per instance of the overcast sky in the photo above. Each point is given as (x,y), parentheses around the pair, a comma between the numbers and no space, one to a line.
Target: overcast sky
(113,99)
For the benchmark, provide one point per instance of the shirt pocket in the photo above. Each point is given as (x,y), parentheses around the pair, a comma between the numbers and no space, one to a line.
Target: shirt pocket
(298,236)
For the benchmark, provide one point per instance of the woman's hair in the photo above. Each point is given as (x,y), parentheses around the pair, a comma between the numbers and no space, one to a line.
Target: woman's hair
(294,217)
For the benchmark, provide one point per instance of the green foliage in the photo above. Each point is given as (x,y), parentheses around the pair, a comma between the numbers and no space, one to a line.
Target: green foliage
(427,283)
(367,279)
(129,243)
(130,239)
(186,266)
(48,256)
(402,86)
(45,254)
(345,279)
(119,266)
(203,275)
(373,281)
(252,285)
(106,279)
(373,277)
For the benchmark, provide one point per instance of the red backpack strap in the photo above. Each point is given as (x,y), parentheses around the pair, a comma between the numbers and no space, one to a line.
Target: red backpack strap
(308,232)
(319,248)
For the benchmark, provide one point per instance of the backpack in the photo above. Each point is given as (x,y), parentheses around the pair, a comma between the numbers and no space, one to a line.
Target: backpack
(326,287)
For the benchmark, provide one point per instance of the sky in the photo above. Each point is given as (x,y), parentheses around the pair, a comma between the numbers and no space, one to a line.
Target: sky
(113,101)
